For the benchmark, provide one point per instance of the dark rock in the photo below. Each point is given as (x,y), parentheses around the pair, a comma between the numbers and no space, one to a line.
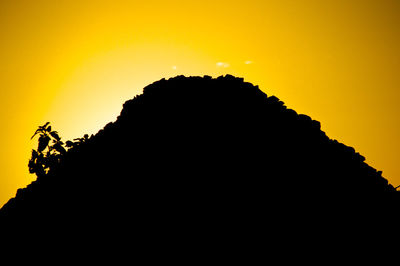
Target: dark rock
(195,162)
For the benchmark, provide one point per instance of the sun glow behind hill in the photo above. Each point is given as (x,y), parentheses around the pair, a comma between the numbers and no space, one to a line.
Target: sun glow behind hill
(75,63)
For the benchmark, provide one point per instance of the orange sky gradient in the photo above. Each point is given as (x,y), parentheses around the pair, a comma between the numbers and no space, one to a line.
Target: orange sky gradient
(75,63)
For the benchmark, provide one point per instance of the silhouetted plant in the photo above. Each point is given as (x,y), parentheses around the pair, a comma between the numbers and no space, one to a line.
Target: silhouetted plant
(49,151)
(77,141)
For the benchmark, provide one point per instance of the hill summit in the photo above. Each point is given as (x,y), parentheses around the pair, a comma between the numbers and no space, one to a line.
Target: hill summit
(196,156)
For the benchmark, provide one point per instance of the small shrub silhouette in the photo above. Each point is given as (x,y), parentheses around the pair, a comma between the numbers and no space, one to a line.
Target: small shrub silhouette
(49,152)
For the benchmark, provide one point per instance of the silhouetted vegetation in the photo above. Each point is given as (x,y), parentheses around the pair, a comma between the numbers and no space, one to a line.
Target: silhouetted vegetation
(200,160)
(49,151)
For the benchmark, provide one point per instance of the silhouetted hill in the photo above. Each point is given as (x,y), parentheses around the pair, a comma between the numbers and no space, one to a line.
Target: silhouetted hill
(200,161)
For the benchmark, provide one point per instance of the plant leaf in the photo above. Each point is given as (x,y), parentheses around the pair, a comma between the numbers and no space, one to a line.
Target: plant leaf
(55,135)
(43,128)
(34,155)
(43,142)
(37,131)
(58,147)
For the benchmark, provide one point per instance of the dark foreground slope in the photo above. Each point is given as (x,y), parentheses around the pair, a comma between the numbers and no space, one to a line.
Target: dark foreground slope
(201,160)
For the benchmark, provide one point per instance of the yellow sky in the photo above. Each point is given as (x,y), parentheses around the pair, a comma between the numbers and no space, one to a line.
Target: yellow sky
(75,63)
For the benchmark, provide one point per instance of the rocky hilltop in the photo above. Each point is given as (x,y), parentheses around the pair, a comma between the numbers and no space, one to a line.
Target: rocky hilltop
(204,158)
